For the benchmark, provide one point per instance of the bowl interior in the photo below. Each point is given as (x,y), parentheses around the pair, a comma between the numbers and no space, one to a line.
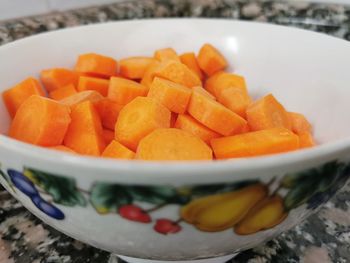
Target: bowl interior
(306,71)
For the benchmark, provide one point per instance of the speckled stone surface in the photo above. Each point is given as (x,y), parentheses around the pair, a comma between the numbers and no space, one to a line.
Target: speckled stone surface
(324,237)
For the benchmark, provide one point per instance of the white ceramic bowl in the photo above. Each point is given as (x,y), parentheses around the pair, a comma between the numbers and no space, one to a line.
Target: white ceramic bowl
(119,205)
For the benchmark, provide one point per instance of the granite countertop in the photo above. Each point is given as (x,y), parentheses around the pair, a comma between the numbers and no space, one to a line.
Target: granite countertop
(324,237)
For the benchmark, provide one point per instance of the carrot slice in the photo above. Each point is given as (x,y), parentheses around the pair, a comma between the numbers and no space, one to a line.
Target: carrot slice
(172,144)
(108,135)
(40,121)
(256,143)
(85,133)
(96,64)
(63,92)
(139,118)
(56,78)
(134,67)
(172,95)
(210,60)
(306,139)
(90,83)
(203,92)
(214,115)
(118,151)
(190,60)
(166,54)
(150,72)
(231,91)
(15,96)
(211,82)
(299,123)
(189,124)
(267,113)
(108,112)
(62,148)
(89,95)
(122,91)
(178,73)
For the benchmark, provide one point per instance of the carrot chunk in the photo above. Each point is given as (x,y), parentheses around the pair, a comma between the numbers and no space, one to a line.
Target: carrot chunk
(40,121)
(85,133)
(190,60)
(118,151)
(306,139)
(134,67)
(108,112)
(267,113)
(63,92)
(56,78)
(214,115)
(173,118)
(150,72)
(172,95)
(256,143)
(108,135)
(15,96)
(203,92)
(139,118)
(299,123)
(172,144)
(90,83)
(89,95)
(122,91)
(210,83)
(96,64)
(62,148)
(210,60)
(166,54)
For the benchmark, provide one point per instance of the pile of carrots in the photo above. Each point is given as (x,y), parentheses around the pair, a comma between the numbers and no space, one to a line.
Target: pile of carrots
(165,107)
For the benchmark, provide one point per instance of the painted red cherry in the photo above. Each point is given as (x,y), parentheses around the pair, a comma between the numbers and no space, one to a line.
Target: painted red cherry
(166,226)
(134,213)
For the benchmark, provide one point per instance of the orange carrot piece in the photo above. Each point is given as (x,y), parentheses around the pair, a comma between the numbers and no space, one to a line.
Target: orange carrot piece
(210,60)
(40,121)
(150,72)
(267,113)
(178,73)
(190,60)
(122,91)
(172,95)
(108,112)
(139,118)
(231,91)
(15,96)
(306,139)
(96,64)
(299,123)
(90,83)
(189,124)
(118,151)
(134,67)
(62,148)
(203,92)
(56,78)
(173,119)
(89,95)
(166,54)
(172,144)
(85,133)
(214,115)
(256,143)
(63,92)
(108,135)
(211,82)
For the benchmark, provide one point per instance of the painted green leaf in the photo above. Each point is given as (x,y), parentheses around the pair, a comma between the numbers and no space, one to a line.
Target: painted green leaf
(299,194)
(293,180)
(107,198)
(328,175)
(62,189)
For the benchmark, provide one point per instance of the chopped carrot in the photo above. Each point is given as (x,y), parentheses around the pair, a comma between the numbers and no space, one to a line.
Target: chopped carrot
(108,135)
(166,54)
(256,143)
(96,64)
(189,124)
(122,91)
(89,95)
(267,113)
(134,67)
(90,83)
(210,60)
(299,123)
(55,78)
(306,140)
(173,118)
(63,92)
(108,112)
(40,121)
(211,82)
(173,145)
(190,60)
(172,95)
(85,133)
(139,118)
(178,73)
(15,96)
(214,115)
(62,148)
(150,72)
(203,92)
(116,150)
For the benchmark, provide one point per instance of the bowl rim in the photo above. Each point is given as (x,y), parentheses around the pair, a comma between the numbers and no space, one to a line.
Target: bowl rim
(184,168)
